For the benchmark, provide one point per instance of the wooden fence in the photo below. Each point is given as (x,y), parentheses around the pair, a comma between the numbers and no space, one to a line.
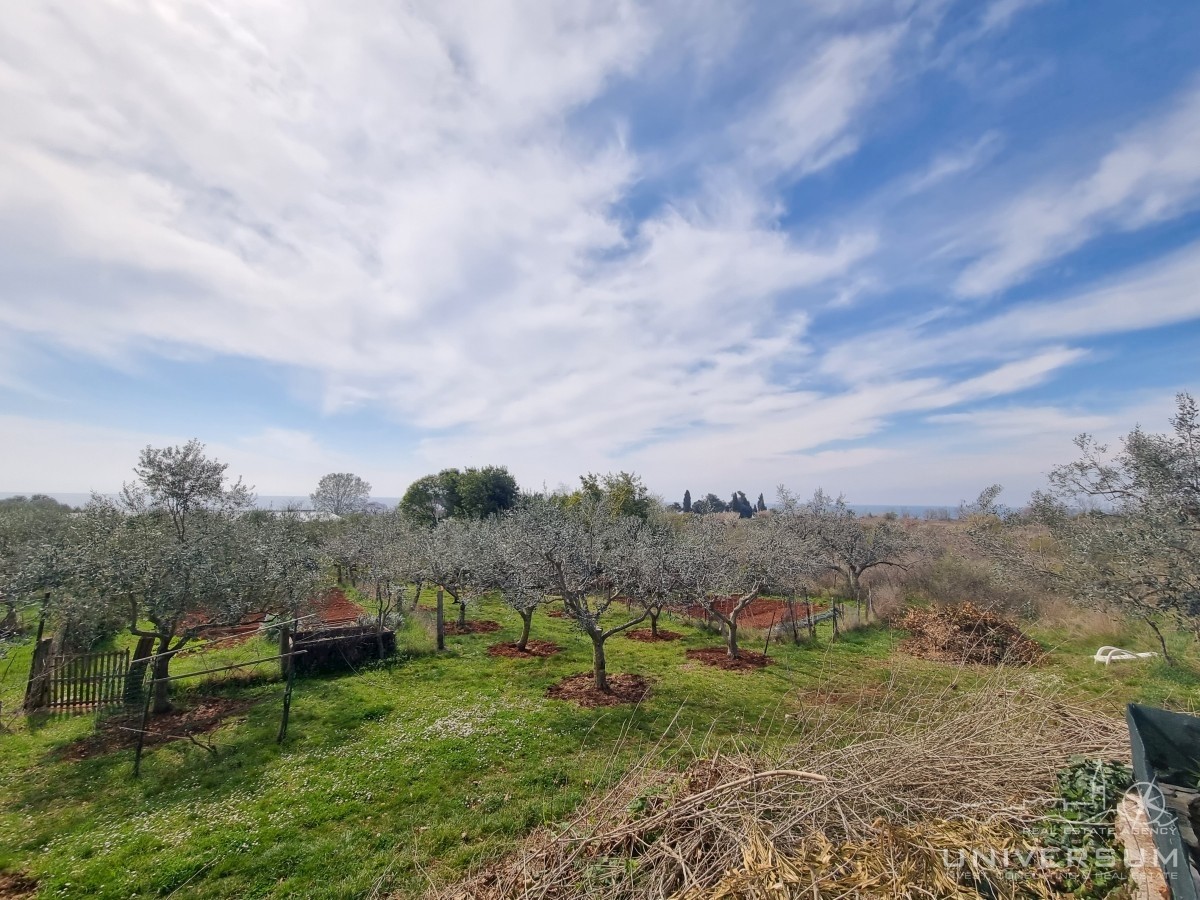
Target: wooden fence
(87,680)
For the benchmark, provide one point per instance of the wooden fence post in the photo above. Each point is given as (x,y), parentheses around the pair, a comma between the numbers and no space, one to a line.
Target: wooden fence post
(38,686)
(288,663)
(441,621)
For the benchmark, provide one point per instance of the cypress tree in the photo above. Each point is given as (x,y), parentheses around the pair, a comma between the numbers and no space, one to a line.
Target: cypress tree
(687,501)
(762,504)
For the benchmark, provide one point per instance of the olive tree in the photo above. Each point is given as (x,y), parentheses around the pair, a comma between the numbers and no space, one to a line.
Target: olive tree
(724,567)
(170,550)
(450,555)
(1118,531)
(392,565)
(847,545)
(33,532)
(662,572)
(289,561)
(585,554)
(522,588)
(794,562)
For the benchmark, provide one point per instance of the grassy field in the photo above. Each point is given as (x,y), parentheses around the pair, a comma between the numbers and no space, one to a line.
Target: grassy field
(408,773)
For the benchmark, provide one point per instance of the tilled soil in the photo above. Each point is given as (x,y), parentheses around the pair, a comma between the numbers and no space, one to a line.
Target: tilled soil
(483,626)
(763,612)
(16,887)
(120,732)
(747,660)
(533,648)
(644,634)
(581,689)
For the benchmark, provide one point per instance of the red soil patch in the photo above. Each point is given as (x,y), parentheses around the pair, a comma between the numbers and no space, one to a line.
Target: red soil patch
(334,609)
(762,612)
(486,626)
(223,635)
(120,732)
(532,648)
(16,887)
(746,661)
(647,636)
(581,689)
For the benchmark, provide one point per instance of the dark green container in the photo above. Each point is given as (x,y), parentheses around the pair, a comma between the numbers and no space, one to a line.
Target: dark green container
(1166,749)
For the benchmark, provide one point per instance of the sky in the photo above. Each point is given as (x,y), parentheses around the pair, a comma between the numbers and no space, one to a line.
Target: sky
(900,250)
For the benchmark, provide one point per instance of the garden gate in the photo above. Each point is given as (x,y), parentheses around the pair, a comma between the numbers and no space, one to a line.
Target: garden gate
(80,681)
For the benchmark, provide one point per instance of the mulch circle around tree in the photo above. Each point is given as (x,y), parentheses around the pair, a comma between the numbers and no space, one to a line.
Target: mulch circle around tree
(532,648)
(581,690)
(16,887)
(483,626)
(746,661)
(184,724)
(647,636)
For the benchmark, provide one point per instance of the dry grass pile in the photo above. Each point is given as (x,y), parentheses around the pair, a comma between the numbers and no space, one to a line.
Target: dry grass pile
(859,805)
(967,634)
(907,862)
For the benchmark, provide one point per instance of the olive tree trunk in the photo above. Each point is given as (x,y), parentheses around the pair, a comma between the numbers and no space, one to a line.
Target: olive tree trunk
(526,622)
(599,672)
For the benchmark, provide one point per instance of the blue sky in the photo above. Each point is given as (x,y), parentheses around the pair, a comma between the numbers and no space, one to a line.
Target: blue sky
(900,250)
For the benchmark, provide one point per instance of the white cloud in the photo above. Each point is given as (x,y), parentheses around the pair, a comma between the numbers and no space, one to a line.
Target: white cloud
(1162,292)
(808,123)
(396,199)
(55,456)
(954,163)
(427,210)
(1151,175)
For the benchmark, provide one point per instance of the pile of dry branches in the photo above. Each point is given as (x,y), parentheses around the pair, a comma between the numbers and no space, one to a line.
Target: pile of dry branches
(966,634)
(857,799)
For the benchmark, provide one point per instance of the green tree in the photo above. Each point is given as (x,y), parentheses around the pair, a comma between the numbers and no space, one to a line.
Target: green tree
(620,493)
(687,501)
(432,498)
(485,492)
(710,503)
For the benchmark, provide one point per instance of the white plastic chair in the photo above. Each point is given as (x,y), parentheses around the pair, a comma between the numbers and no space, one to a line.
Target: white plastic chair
(1108,654)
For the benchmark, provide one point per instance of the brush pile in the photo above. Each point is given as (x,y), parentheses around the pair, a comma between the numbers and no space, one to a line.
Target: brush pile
(966,634)
(861,804)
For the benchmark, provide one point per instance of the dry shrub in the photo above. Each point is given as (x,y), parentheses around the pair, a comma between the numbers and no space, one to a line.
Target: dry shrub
(953,578)
(966,634)
(1074,622)
(864,786)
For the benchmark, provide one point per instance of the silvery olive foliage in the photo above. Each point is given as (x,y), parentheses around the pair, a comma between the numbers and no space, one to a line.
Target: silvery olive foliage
(584,554)
(843,542)
(1117,531)
(724,565)
(456,554)
(170,552)
(34,555)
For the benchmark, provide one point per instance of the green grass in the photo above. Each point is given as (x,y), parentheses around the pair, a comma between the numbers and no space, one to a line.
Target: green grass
(416,769)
